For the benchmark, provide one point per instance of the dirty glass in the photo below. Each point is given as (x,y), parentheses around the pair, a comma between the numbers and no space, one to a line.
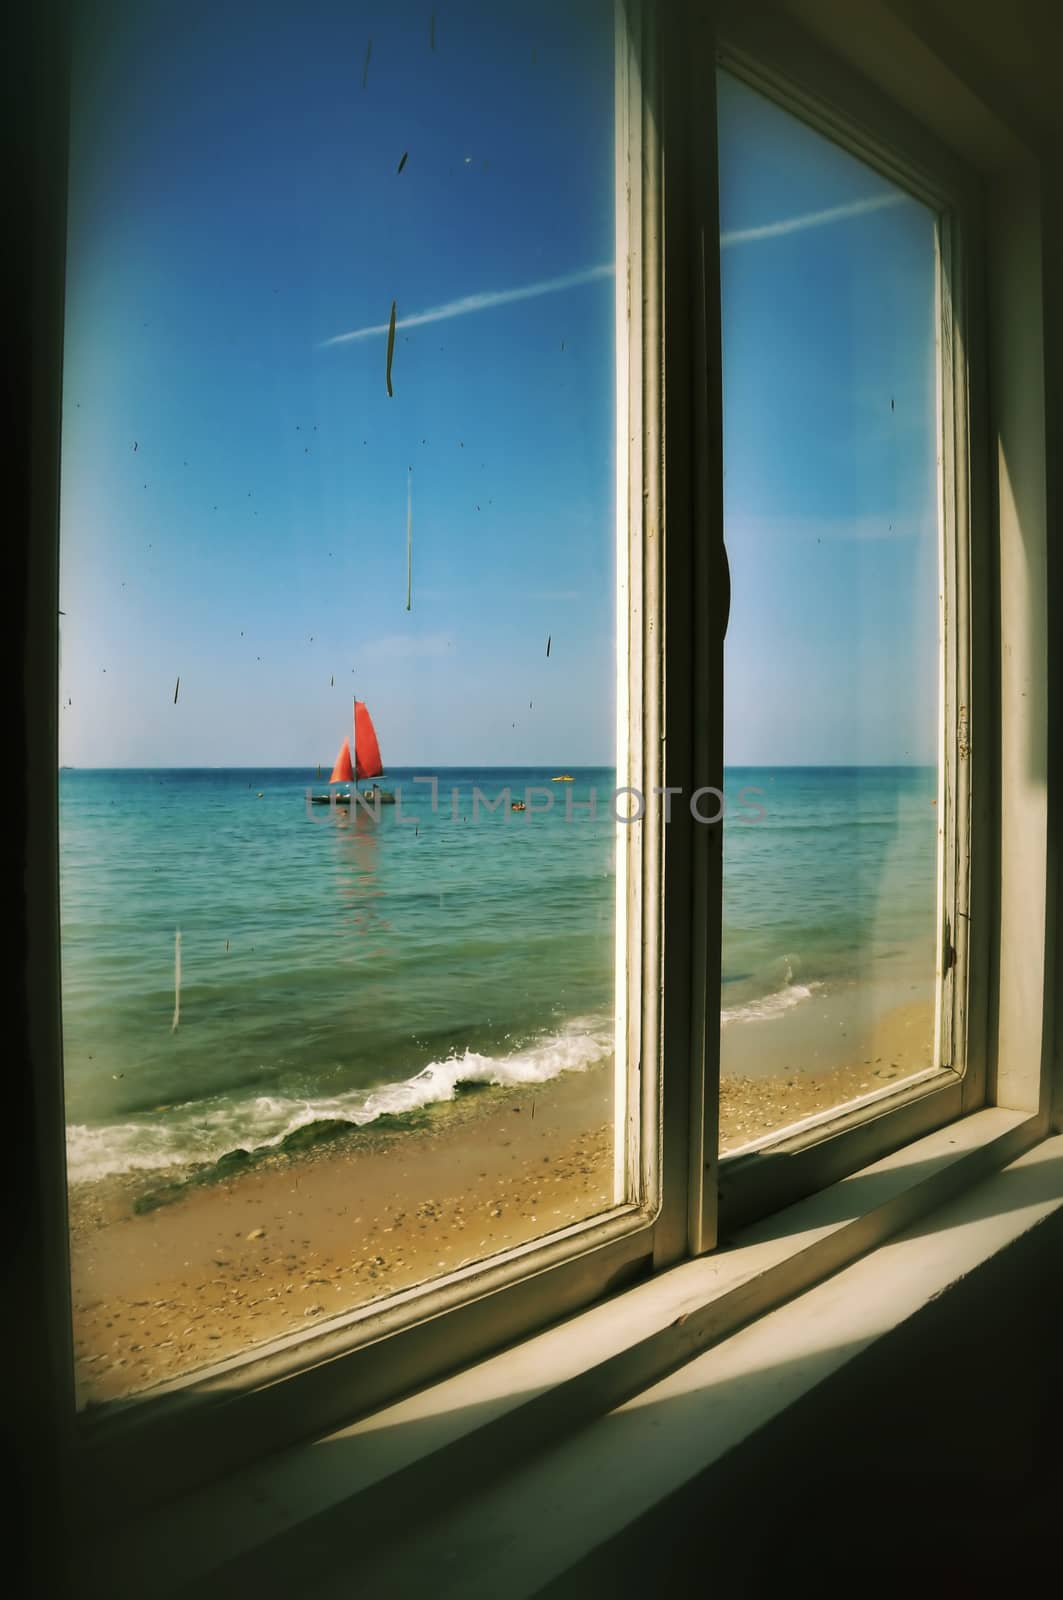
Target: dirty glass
(338,660)
(832,657)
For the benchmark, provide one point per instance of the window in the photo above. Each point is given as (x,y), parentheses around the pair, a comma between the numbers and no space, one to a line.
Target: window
(832,521)
(339,432)
(849,301)
(626,957)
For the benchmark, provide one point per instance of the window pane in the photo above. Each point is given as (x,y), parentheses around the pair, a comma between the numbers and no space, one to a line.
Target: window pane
(829,278)
(338,421)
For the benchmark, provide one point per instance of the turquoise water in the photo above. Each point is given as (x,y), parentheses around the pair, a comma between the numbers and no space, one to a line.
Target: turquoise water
(836,884)
(333,965)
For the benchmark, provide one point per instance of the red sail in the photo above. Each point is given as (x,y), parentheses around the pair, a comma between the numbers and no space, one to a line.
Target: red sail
(366,750)
(343,772)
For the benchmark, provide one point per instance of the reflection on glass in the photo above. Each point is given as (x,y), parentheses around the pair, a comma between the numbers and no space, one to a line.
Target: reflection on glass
(317,1054)
(831,524)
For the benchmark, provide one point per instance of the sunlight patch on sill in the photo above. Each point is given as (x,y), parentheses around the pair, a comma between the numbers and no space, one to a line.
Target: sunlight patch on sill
(538,1392)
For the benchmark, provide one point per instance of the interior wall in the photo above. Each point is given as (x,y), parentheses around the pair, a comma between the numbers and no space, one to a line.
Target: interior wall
(1052,273)
(933,1464)
(920,1469)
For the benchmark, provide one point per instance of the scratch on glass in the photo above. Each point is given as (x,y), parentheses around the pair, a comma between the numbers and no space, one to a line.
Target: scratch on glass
(391,346)
(176,981)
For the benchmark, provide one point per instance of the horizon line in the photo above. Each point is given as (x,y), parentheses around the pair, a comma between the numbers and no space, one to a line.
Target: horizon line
(537,766)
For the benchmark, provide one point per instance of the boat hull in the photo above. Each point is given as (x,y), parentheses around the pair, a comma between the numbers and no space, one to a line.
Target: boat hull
(384,798)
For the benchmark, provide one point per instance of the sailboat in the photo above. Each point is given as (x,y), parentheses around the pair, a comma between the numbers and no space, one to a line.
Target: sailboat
(352,766)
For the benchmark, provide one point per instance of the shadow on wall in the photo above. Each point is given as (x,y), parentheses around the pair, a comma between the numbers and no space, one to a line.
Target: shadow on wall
(918,1470)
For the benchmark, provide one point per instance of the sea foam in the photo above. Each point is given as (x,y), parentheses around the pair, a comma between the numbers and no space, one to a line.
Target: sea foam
(769,1005)
(187,1136)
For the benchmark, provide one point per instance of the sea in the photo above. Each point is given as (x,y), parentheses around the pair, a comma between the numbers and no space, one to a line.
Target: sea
(238,963)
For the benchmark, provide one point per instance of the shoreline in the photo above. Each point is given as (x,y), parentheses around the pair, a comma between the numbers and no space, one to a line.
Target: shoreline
(256,1255)
(267,1249)
(895,1049)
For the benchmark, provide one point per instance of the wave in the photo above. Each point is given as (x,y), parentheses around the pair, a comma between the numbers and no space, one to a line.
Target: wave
(189,1135)
(785,993)
(201,1132)
(769,1005)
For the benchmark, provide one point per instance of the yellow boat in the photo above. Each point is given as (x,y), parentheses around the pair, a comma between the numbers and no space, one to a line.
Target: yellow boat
(566,777)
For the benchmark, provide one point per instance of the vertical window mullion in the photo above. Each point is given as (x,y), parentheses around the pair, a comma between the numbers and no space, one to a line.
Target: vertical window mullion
(655,1089)
(685,583)
(959,712)
(711,588)
(632,1138)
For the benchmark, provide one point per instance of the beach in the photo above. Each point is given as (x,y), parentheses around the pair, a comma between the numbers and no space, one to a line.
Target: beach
(897,1046)
(236,1262)
(312,1060)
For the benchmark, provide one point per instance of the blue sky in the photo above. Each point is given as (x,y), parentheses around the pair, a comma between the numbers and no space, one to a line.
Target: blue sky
(829,450)
(235,477)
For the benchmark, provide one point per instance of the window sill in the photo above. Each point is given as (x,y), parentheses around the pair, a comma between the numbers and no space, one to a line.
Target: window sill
(495,1453)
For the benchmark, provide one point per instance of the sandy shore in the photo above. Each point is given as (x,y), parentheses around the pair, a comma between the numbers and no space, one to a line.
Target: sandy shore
(299,1238)
(828,1050)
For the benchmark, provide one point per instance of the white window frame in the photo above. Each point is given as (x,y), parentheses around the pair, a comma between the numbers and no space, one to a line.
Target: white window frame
(364,1358)
(302,1389)
(773,56)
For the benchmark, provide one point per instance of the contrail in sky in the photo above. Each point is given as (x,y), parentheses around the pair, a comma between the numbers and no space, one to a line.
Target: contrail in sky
(812,219)
(487,299)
